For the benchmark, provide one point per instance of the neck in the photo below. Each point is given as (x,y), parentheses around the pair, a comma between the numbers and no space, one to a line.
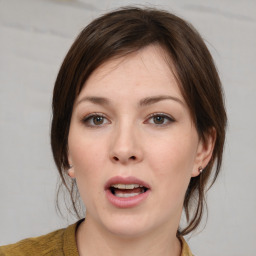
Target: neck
(93,241)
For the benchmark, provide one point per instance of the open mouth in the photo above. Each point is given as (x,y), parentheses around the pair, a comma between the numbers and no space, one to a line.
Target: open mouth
(127,190)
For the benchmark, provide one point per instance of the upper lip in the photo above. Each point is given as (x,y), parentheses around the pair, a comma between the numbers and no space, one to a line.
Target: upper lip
(125,180)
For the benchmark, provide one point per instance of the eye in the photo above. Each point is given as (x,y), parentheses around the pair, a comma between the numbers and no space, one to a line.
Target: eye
(160,119)
(94,120)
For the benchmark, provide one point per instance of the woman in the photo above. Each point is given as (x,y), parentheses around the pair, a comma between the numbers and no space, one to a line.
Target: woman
(138,123)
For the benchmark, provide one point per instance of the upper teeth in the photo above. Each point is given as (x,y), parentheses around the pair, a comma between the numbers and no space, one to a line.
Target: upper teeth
(126,186)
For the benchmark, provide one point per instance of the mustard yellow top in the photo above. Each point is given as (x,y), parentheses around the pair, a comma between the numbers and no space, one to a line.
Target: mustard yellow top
(61,242)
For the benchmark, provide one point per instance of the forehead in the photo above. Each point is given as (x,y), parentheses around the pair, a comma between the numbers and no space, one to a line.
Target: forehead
(148,70)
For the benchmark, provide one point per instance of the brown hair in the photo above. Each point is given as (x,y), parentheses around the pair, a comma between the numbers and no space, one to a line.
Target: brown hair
(128,30)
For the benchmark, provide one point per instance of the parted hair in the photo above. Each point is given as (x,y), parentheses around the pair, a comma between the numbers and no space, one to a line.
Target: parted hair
(127,30)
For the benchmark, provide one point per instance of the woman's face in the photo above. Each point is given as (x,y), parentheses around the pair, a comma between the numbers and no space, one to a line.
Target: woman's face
(133,145)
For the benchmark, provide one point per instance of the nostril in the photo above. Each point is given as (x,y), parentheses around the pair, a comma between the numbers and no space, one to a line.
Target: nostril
(115,158)
(123,158)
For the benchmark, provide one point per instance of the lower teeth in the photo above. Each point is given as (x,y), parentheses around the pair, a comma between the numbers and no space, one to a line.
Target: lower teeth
(126,195)
(122,194)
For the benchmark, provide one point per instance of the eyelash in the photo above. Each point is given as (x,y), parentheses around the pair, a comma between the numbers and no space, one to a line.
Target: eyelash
(86,120)
(90,117)
(168,119)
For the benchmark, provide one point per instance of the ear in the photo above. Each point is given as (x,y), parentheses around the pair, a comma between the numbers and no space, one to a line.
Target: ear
(204,152)
(71,170)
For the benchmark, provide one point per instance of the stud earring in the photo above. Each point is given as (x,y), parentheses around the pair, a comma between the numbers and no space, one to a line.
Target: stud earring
(200,169)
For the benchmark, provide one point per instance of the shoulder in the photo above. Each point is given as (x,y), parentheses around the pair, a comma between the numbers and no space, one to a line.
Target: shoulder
(185,248)
(57,243)
(50,244)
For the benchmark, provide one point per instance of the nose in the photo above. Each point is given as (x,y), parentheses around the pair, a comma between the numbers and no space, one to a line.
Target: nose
(126,146)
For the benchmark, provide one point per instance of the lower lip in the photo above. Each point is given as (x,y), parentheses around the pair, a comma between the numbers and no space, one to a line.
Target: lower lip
(126,202)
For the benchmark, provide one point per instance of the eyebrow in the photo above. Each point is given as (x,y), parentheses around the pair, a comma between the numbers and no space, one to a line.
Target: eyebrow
(95,100)
(151,100)
(143,102)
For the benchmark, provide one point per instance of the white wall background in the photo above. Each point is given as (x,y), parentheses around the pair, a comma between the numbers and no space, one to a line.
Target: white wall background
(34,38)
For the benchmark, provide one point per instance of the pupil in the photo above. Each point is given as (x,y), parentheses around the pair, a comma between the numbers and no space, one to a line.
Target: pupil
(158,119)
(98,120)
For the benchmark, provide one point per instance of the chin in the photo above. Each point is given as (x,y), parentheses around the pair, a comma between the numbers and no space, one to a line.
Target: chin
(128,231)
(126,225)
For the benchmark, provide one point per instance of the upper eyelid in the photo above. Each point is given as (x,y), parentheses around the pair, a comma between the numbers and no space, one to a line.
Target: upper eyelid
(161,114)
(104,115)
(94,114)
(86,117)
(168,120)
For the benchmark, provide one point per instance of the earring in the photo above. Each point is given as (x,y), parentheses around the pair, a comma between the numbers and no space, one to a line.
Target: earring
(200,169)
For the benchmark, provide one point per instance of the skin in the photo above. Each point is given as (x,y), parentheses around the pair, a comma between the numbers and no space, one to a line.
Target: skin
(164,151)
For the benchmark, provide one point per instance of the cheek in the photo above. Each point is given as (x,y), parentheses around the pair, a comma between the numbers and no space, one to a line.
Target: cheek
(172,161)
(171,178)
(88,160)
(86,152)
(173,155)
